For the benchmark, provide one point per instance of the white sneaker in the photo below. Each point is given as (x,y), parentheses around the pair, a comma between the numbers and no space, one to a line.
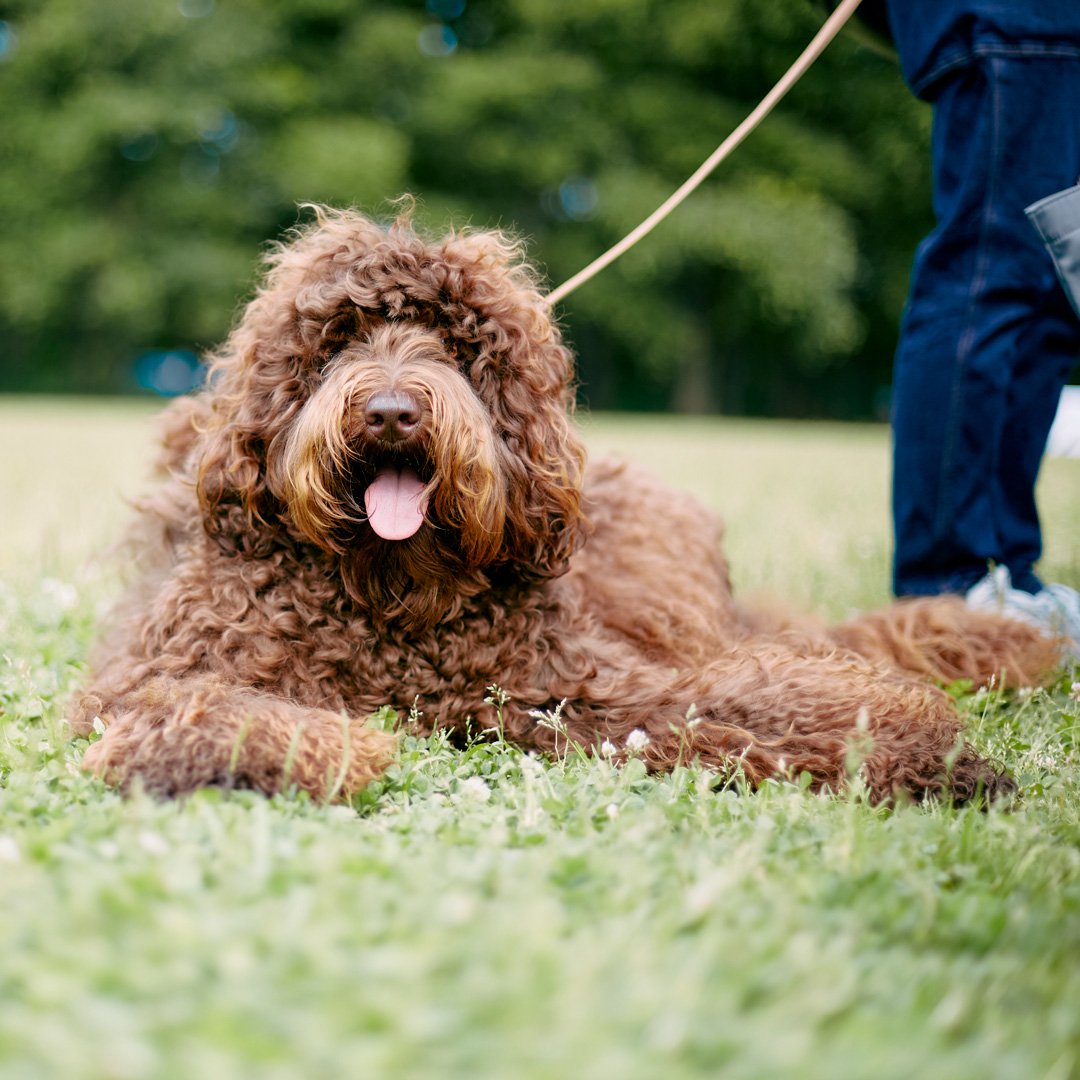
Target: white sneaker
(1054,609)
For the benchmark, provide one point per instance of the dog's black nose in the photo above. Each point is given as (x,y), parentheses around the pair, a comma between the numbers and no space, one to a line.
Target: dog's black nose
(392,415)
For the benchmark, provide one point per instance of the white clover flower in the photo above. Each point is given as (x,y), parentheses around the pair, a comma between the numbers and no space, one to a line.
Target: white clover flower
(608,748)
(153,843)
(52,601)
(475,789)
(529,765)
(636,741)
(60,594)
(1074,691)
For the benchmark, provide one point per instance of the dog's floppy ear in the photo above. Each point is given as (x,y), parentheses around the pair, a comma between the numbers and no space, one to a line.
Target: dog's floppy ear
(260,377)
(253,393)
(524,374)
(247,409)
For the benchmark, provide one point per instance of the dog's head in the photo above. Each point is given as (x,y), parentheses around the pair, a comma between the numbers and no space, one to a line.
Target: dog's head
(403,405)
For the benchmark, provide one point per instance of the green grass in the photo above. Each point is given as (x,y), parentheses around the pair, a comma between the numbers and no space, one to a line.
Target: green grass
(482,914)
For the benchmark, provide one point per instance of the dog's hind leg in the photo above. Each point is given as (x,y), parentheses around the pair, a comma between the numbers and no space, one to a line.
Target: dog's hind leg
(836,718)
(776,712)
(942,639)
(173,735)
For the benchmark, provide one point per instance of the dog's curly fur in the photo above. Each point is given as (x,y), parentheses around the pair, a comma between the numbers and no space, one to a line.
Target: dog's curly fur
(270,620)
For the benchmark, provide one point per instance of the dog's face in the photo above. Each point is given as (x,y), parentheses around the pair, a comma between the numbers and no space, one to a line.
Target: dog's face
(402,406)
(394,439)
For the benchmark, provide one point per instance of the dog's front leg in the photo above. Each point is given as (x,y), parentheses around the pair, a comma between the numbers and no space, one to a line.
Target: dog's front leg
(172,735)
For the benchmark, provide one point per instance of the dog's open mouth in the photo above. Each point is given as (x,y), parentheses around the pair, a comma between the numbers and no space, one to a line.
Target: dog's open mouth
(395,501)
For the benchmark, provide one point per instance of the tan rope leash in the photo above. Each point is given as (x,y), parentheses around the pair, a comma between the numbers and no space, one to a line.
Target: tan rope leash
(817,46)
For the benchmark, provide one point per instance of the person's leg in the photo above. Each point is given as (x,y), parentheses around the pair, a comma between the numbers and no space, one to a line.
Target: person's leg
(987,338)
(1046,354)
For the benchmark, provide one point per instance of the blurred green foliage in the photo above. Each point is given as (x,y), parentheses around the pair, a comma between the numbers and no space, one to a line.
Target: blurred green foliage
(150,148)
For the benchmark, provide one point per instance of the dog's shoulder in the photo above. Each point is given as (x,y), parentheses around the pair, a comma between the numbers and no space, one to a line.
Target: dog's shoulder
(628,504)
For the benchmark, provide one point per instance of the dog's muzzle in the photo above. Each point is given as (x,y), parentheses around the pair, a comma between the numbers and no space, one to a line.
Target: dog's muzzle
(395,499)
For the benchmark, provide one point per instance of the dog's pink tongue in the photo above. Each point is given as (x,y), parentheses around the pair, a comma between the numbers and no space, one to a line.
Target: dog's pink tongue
(395,503)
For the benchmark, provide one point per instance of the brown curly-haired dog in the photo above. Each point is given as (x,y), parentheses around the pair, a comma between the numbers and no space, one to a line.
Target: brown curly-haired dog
(380,498)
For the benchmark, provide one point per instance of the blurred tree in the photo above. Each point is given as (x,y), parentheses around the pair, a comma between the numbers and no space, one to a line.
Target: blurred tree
(150,147)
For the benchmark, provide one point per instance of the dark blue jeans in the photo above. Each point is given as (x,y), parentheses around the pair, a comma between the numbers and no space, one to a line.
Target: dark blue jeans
(988,337)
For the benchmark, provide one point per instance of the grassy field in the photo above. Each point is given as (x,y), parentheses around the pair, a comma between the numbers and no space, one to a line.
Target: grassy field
(480,913)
